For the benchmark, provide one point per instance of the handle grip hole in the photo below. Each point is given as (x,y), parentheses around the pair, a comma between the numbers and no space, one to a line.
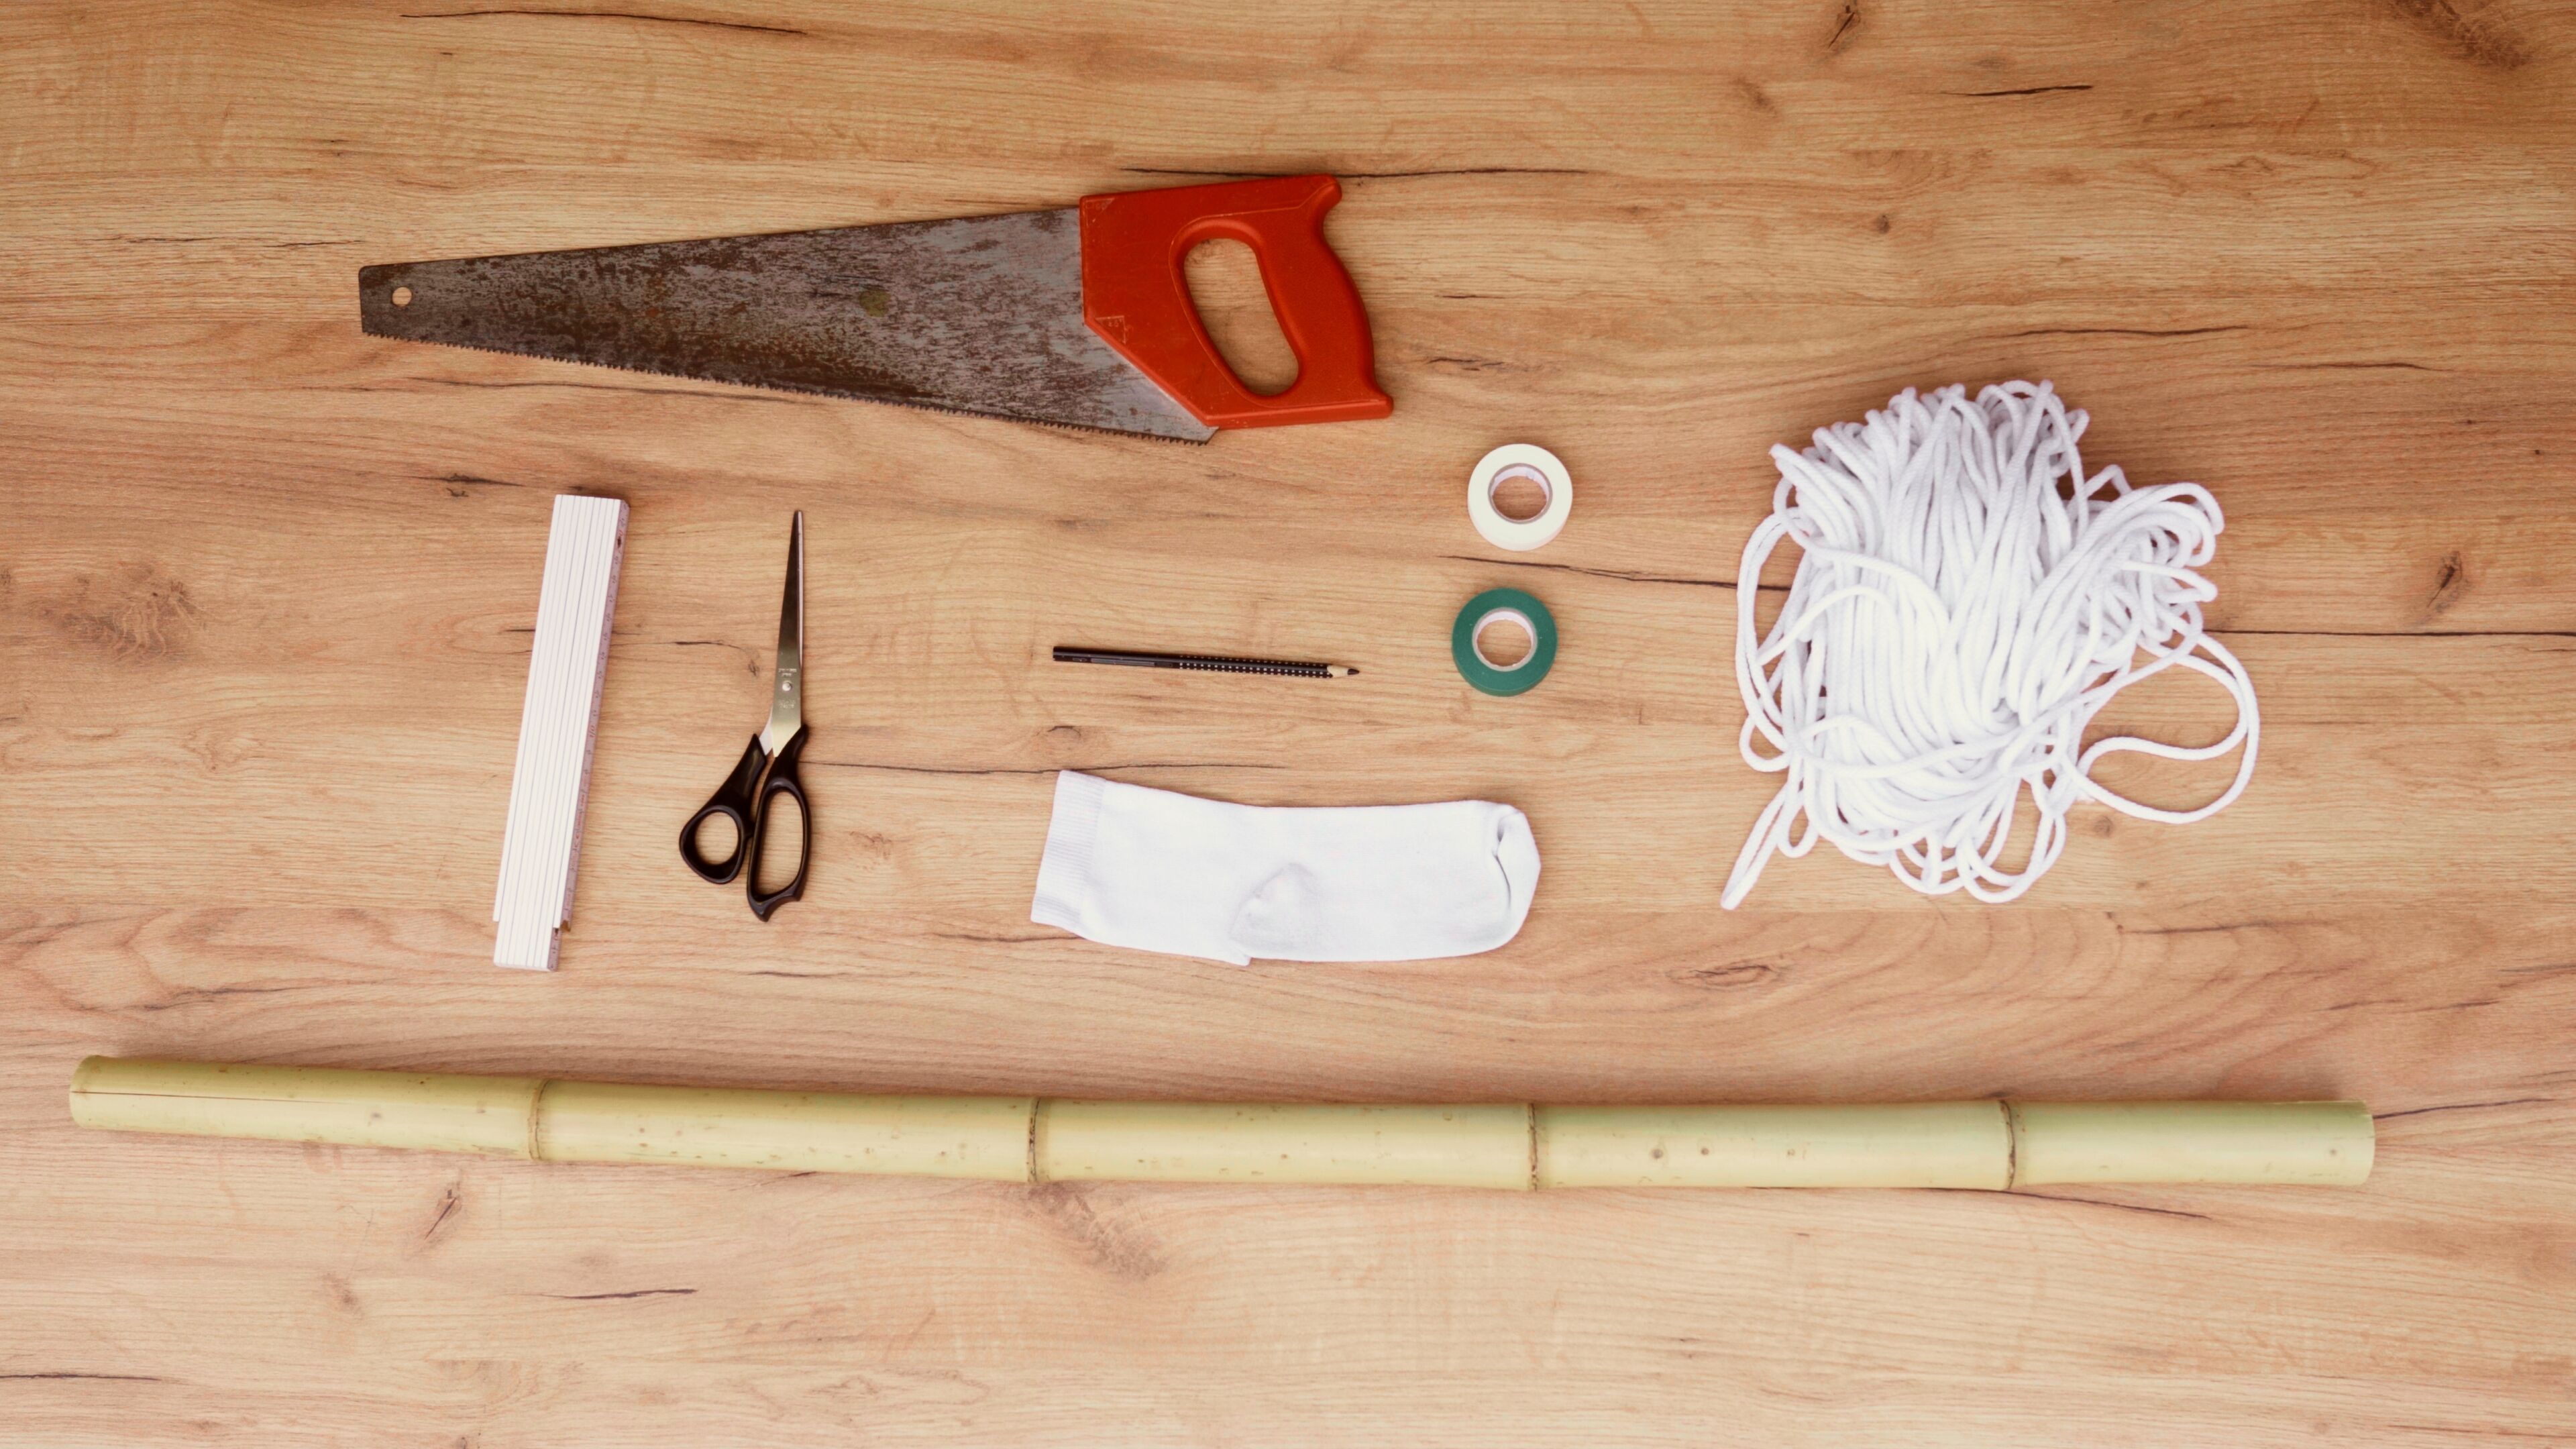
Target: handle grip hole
(782,855)
(717,839)
(1234,306)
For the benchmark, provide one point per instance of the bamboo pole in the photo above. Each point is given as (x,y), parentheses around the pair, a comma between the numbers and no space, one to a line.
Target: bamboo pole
(986,1137)
(2288,1142)
(489,1115)
(1479,1146)
(1923,1144)
(1985,1144)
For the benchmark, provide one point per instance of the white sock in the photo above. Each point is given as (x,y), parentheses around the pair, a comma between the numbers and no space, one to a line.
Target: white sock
(1128,866)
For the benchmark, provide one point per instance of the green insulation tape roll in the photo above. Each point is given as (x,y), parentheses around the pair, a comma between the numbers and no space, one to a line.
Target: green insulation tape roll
(1489,607)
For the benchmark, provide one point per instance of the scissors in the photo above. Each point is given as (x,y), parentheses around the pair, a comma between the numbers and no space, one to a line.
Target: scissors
(768,767)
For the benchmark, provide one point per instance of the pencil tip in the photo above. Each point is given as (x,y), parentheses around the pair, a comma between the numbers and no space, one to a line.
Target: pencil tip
(1338,670)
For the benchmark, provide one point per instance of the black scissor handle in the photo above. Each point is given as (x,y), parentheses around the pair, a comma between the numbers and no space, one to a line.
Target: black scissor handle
(736,801)
(782,781)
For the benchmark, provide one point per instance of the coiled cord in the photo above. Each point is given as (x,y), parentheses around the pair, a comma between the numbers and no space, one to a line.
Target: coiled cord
(1959,618)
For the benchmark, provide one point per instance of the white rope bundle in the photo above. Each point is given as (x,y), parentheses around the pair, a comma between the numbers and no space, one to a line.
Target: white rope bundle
(1957,621)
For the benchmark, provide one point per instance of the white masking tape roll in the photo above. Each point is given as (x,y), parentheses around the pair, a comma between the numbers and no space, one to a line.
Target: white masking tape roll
(1519,460)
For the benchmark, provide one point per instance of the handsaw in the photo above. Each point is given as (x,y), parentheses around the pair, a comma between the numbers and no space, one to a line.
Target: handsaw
(1079,317)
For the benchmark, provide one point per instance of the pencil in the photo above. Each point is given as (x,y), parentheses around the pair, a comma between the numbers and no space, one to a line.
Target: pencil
(1218,663)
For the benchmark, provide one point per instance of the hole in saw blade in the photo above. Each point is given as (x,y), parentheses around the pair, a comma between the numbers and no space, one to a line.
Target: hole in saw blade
(1225,285)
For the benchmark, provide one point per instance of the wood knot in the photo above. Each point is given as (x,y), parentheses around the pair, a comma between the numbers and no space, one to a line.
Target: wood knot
(1117,1249)
(1731,975)
(1845,24)
(2472,30)
(2450,581)
(145,615)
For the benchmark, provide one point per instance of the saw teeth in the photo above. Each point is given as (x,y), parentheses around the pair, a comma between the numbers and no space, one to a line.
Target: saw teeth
(795,392)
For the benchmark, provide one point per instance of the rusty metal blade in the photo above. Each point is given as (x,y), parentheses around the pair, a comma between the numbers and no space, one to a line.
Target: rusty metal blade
(977,315)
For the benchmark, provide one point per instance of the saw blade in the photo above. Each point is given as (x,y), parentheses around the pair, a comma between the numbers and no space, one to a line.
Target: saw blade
(977,315)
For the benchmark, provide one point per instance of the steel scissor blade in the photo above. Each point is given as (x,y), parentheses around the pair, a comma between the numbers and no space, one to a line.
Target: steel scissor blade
(976,315)
(787,687)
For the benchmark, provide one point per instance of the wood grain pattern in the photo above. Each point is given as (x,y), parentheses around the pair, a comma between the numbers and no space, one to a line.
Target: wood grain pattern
(266,586)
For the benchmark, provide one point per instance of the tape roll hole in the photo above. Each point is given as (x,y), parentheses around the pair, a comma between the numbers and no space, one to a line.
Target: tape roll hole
(1515,639)
(1520,493)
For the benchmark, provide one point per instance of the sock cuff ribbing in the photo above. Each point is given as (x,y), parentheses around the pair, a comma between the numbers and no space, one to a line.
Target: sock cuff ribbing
(1064,874)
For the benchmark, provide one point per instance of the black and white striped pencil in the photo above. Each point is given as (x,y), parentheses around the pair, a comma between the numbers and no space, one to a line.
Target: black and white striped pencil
(1219,663)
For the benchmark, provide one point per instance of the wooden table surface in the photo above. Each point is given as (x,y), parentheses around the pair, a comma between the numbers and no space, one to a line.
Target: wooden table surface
(266,588)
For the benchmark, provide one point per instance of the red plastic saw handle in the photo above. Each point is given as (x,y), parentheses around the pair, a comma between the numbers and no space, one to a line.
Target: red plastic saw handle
(1136,298)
